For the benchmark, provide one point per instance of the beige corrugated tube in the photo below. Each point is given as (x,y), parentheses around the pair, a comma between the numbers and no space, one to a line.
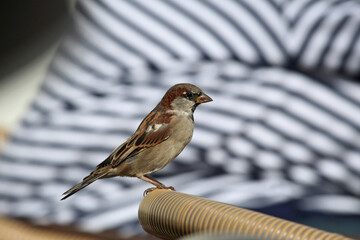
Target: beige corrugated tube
(169,215)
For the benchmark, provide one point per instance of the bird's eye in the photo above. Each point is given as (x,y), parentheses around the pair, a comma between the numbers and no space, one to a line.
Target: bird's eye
(189,95)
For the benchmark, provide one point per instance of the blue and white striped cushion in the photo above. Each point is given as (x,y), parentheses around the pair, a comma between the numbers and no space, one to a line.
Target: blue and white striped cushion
(271,135)
(325,35)
(161,33)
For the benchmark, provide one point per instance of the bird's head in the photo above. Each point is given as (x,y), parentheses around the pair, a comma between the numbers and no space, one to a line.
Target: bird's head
(184,97)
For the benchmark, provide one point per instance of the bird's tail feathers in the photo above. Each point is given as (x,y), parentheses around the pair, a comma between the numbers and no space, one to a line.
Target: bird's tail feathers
(86,181)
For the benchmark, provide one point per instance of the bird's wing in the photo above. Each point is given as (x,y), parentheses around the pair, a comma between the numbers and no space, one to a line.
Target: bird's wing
(153,130)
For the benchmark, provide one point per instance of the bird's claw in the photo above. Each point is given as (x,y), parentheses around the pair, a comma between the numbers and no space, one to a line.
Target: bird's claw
(147,191)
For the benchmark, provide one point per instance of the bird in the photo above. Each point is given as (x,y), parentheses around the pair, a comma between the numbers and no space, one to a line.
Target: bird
(159,139)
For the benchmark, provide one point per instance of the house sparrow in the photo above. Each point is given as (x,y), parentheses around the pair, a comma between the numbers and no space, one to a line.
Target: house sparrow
(161,137)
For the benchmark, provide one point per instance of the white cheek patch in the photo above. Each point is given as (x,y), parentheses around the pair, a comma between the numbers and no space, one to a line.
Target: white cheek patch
(181,107)
(154,127)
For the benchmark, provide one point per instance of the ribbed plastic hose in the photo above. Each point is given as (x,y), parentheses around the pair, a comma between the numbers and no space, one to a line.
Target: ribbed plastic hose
(169,215)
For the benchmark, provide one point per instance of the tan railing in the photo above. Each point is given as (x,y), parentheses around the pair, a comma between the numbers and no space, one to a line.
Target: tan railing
(169,215)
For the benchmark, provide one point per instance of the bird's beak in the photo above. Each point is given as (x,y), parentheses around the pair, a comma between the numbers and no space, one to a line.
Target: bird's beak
(203,99)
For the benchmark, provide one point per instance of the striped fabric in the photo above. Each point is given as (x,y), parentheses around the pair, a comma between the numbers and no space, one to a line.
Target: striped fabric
(325,35)
(275,132)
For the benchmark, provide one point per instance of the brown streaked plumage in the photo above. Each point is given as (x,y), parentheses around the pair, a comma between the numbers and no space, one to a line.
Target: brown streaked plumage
(160,137)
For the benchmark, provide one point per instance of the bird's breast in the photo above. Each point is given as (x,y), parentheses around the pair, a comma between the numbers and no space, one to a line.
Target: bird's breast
(157,157)
(181,135)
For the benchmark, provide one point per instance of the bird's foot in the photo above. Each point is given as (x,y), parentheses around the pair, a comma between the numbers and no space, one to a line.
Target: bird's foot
(147,191)
(170,188)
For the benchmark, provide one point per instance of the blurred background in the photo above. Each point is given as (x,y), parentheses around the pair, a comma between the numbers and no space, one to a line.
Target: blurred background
(33,32)
(77,77)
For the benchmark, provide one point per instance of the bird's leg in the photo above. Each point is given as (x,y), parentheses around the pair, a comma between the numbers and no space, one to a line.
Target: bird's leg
(158,184)
(152,181)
